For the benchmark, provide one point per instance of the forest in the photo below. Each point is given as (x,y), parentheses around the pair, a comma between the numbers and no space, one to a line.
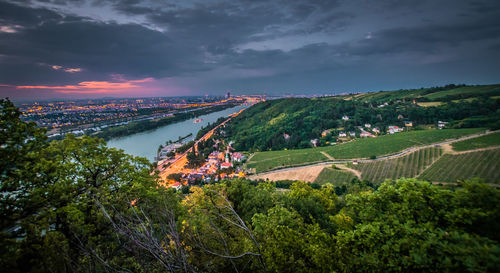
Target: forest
(291,123)
(75,205)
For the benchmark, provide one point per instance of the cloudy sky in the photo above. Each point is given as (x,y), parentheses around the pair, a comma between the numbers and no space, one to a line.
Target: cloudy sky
(129,48)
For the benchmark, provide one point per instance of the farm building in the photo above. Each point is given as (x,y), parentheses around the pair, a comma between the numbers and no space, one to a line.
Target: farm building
(441,124)
(315,142)
(177,186)
(325,132)
(394,129)
(238,157)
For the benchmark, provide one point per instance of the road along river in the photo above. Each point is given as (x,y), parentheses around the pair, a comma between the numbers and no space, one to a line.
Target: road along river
(146,144)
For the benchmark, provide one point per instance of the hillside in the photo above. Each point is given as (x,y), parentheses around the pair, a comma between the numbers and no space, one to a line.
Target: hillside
(444,93)
(361,148)
(90,208)
(463,166)
(436,164)
(293,123)
(479,142)
(406,166)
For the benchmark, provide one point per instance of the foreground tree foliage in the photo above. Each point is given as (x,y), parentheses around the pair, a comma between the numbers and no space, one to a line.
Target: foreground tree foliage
(77,206)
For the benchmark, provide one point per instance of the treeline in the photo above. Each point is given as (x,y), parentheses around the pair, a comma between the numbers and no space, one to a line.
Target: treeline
(204,148)
(76,205)
(435,89)
(291,123)
(141,126)
(209,127)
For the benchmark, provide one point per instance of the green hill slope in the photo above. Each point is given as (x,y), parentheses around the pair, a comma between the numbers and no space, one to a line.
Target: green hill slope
(362,148)
(406,166)
(453,167)
(292,123)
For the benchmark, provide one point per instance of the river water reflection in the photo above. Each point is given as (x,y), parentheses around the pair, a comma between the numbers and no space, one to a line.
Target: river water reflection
(146,144)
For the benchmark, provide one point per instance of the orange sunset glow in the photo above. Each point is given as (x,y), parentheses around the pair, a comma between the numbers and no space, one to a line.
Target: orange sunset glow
(93,87)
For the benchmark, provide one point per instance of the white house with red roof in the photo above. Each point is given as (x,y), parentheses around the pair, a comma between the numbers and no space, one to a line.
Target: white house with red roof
(177,186)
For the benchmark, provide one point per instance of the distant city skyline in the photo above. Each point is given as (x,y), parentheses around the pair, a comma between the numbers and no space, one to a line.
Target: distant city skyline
(74,49)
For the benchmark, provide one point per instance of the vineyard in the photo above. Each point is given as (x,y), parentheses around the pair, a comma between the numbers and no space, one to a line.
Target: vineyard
(333,176)
(388,144)
(450,168)
(407,166)
(478,142)
(360,148)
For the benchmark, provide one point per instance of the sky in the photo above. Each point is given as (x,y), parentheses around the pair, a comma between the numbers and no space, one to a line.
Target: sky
(127,48)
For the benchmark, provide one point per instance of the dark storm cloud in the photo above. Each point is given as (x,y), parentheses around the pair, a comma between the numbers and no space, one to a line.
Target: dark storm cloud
(11,14)
(96,47)
(243,42)
(424,39)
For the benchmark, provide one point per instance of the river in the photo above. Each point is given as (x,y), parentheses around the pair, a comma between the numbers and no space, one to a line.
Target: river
(146,144)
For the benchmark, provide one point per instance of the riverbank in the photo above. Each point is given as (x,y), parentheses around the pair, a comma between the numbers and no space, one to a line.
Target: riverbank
(147,125)
(146,143)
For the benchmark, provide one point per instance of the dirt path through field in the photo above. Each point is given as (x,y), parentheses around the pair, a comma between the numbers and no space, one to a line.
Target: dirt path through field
(327,156)
(300,171)
(308,174)
(355,172)
(447,149)
(477,150)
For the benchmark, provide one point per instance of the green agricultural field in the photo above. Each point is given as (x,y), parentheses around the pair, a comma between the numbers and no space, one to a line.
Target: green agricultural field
(453,167)
(263,161)
(478,142)
(390,95)
(406,166)
(333,176)
(389,144)
(361,148)
(477,90)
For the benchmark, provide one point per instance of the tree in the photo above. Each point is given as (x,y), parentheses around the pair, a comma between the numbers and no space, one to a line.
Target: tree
(50,191)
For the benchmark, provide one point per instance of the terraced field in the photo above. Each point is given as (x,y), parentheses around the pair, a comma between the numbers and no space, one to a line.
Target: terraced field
(333,176)
(478,142)
(361,148)
(453,167)
(405,166)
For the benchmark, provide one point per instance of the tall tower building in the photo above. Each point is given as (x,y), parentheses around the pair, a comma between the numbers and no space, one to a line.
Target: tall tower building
(228,95)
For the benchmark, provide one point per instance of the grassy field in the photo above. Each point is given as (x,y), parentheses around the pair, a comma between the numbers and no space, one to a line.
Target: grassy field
(263,161)
(389,144)
(415,93)
(450,168)
(333,176)
(406,166)
(477,90)
(361,148)
(390,95)
(478,142)
(429,104)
